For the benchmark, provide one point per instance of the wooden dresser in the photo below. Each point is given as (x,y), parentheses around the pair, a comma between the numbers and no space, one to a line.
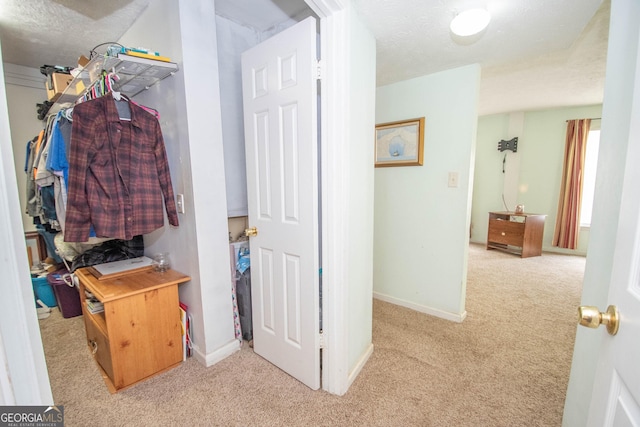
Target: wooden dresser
(138,334)
(518,233)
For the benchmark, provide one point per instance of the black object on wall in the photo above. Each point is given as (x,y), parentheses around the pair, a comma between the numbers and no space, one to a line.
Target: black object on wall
(511,144)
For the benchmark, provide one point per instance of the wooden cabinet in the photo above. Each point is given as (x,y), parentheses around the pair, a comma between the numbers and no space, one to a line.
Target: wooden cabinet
(139,333)
(519,233)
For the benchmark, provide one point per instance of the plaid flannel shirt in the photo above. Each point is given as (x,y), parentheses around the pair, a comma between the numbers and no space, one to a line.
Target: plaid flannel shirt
(118,173)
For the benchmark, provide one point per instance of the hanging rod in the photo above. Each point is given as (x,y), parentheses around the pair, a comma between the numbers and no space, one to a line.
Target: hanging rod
(589,118)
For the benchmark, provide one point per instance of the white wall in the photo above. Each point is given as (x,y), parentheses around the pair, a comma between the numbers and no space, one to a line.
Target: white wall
(421,224)
(233,39)
(621,74)
(25,89)
(359,150)
(191,125)
(536,168)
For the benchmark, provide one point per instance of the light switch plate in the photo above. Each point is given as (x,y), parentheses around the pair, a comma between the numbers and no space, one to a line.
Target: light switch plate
(180,203)
(453,179)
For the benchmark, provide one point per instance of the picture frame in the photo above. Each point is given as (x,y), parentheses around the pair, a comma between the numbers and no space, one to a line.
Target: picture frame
(36,247)
(399,143)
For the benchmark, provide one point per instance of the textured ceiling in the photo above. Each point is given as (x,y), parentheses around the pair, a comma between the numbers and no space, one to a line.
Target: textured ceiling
(413,35)
(559,78)
(534,54)
(57,32)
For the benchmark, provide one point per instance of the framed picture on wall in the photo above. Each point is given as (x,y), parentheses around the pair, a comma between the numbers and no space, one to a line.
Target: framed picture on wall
(400,143)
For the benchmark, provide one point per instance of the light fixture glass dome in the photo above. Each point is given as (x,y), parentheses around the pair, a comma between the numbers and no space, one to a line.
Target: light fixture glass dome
(470,22)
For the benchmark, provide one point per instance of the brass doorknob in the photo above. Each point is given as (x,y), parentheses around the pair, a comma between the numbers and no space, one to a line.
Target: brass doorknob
(591,317)
(251,232)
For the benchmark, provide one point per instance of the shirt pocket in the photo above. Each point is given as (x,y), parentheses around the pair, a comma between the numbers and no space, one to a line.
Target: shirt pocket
(100,177)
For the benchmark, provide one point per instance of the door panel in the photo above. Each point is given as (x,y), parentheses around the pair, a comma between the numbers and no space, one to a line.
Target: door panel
(280,111)
(265,290)
(292,311)
(263,174)
(626,410)
(616,395)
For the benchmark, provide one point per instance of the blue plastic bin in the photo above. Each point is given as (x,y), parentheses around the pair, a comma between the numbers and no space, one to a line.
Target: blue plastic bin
(43,291)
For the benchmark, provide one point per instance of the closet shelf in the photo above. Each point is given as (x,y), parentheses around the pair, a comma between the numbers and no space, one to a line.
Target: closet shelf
(136,74)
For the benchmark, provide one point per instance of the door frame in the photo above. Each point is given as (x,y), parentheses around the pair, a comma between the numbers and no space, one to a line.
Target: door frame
(23,371)
(334,17)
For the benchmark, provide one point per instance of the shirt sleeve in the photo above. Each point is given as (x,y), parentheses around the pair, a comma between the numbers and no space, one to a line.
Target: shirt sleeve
(78,220)
(57,159)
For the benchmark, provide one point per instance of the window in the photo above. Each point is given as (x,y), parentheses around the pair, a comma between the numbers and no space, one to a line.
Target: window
(589,182)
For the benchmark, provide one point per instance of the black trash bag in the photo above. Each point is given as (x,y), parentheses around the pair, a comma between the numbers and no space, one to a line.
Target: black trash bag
(111,250)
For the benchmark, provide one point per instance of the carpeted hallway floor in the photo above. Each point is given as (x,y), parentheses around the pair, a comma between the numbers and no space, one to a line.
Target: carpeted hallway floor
(507,364)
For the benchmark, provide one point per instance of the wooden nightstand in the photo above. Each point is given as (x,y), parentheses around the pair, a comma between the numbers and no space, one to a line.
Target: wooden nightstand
(518,233)
(139,333)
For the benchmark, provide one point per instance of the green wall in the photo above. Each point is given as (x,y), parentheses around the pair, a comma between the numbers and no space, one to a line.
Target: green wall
(537,165)
(421,225)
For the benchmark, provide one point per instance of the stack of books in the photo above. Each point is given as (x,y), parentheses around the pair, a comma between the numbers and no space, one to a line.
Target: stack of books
(94,306)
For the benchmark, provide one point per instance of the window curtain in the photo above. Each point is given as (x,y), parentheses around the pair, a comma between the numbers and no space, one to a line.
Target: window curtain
(568,218)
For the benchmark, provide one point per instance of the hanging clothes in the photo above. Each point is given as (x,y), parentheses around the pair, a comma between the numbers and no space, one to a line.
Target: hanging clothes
(40,200)
(58,163)
(118,173)
(31,208)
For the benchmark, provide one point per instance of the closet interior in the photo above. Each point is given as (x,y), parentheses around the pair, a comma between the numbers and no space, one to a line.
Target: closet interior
(98,179)
(105,74)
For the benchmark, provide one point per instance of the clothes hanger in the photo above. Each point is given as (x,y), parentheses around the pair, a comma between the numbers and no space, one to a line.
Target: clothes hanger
(110,80)
(68,113)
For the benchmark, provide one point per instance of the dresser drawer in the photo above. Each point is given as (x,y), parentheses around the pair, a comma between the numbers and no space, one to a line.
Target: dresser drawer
(99,345)
(506,232)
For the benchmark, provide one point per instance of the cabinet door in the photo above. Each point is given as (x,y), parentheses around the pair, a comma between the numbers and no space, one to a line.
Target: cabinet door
(99,345)
(144,333)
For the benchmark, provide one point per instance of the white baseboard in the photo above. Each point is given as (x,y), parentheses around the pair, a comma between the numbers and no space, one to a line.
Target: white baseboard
(454,317)
(359,365)
(220,354)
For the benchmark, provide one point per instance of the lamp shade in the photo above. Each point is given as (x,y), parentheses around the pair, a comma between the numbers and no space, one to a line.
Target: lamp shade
(470,22)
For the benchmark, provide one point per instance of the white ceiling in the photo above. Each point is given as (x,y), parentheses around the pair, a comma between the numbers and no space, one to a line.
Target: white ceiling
(535,53)
(57,32)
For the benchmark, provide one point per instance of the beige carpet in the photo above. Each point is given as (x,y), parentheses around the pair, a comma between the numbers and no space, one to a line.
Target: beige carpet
(507,364)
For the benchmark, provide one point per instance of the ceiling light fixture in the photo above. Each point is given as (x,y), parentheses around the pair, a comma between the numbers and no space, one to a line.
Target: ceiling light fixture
(470,22)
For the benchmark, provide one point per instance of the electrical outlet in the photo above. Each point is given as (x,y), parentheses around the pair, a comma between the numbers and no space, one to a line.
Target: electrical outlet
(453,179)
(180,203)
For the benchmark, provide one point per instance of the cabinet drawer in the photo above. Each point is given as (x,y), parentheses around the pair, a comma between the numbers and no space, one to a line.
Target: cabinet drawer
(506,232)
(99,345)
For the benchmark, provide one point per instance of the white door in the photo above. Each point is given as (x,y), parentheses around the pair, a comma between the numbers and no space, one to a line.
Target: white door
(280,121)
(616,395)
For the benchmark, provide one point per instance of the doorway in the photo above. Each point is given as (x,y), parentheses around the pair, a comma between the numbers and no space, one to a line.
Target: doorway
(349,355)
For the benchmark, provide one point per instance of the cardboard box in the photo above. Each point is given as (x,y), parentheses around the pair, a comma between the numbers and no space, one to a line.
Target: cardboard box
(56,84)
(82,61)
